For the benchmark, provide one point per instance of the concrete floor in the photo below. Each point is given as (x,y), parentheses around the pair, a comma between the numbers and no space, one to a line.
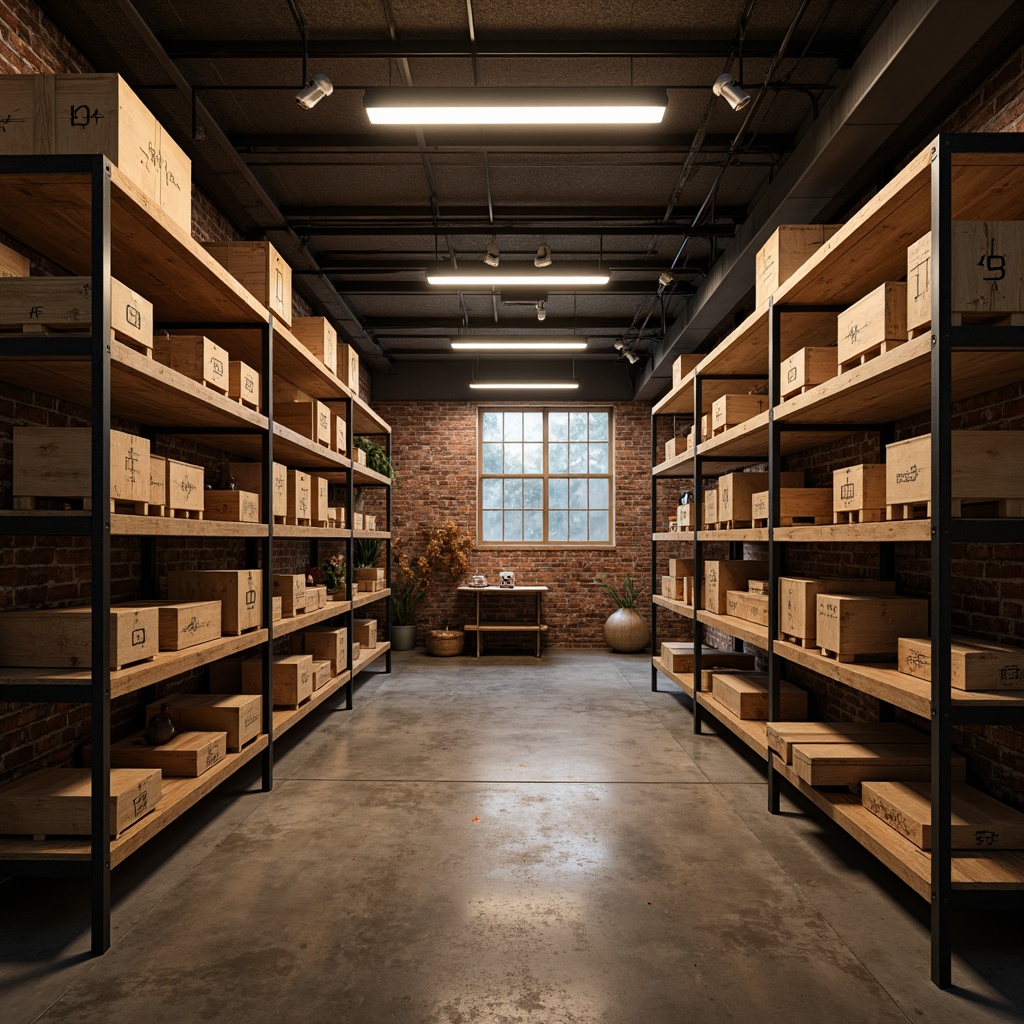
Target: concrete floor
(499,841)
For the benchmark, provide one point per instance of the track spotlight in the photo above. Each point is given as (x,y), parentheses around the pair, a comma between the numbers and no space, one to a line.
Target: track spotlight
(632,358)
(542,313)
(726,85)
(492,257)
(619,346)
(543,257)
(313,93)
(665,279)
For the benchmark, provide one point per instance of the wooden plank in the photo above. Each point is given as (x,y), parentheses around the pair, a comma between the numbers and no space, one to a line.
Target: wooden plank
(750,732)
(684,680)
(472,627)
(673,606)
(782,736)
(285,718)
(974,664)
(750,535)
(746,631)
(842,764)
(745,695)
(866,533)
(187,753)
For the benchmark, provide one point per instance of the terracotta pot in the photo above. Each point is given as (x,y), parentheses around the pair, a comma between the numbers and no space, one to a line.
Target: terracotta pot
(625,631)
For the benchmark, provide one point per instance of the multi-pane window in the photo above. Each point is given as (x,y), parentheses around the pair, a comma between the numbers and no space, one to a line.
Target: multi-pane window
(545,476)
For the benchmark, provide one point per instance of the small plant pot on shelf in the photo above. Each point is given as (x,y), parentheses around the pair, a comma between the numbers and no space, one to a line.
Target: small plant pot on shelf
(403,638)
(625,631)
(445,643)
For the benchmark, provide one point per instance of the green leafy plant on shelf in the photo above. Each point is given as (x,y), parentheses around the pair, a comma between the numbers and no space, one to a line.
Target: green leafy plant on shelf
(332,572)
(627,597)
(376,457)
(366,552)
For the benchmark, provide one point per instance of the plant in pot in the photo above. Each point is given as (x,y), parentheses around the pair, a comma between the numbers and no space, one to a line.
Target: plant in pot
(376,460)
(331,573)
(410,578)
(624,630)
(447,551)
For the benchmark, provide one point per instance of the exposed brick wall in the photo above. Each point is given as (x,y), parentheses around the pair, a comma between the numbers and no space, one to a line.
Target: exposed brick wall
(434,454)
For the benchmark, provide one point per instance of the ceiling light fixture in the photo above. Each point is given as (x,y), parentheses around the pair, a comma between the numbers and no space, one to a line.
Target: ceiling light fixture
(493,256)
(524,385)
(313,93)
(508,278)
(515,106)
(726,86)
(543,257)
(665,278)
(519,345)
(542,313)
(632,358)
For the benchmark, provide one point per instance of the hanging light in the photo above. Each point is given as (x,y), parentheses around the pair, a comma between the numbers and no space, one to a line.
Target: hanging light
(524,385)
(519,344)
(313,93)
(518,275)
(727,87)
(492,257)
(543,257)
(542,313)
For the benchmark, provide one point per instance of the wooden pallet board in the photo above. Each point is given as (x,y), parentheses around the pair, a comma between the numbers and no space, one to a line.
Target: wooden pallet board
(739,628)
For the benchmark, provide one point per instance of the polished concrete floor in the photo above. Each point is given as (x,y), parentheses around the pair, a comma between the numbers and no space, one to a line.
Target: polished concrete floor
(498,842)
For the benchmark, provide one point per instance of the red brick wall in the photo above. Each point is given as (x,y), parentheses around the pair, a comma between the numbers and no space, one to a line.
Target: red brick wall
(434,455)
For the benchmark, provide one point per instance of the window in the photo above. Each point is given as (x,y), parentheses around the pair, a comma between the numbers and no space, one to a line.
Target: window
(545,476)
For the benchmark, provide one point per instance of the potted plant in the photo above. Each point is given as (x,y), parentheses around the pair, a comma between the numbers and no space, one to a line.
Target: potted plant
(410,578)
(376,457)
(330,573)
(448,549)
(624,630)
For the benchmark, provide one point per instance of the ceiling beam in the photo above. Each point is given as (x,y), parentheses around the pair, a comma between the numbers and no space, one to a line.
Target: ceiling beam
(839,49)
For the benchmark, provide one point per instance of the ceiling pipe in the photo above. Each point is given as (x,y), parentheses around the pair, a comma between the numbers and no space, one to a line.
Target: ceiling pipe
(907,58)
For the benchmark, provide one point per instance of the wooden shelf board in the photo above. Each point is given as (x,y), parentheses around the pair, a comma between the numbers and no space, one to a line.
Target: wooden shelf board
(367,658)
(494,627)
(371,534)
(142,389)
(154,526)
(177,796)
(682,466)
(749,632)
(748,535)
(683,680)
(673,606)
(754,734)
(282,532)
(292,624)
(679,401)
(360,600)
(895,530)
(674,535)
(285,718)
(886,683)
(971,869)
(135,677)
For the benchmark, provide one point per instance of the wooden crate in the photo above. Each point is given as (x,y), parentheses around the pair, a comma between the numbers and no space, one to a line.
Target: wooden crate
(291,588)
(13,264)
(986,469)
(798,603)
(675,446)
(705,426)
(244,384)
(35,303)
(731,410)
(62,637)
(758,586)
(319,504)
(978,821)
(183,624)
(316,597)
(56,462)
(322,674)
(845,764)
(678,656)
(744,605)
(797,506)
(260,268)
(101,114)
(685,516)
(858,493)
(232,506)
(27,114)
(721,576)
(249,477)
(975,664)
(236,715)
(864,627)
(339,442)
(785,252)
(327,643)
(677,588)
(357,520)
(919,284)
(185,489)
(300,499)
(157,484)
(292,676)
(319,336)
(710,510)
(348,367)
(364,632)
(745,695)
(684,365)
(783,736)
(375,575)
(988,266)
(186,755)
(239,591)
(175,181)
(806,369)
(873,325)
(680,567)
(58,801)
(736,492)
(310,419)
(197,357)
(338,514)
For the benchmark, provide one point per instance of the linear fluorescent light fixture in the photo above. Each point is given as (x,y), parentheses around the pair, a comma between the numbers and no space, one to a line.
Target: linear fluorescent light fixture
(524,385)
(519,345)
(515,106)
(529,275)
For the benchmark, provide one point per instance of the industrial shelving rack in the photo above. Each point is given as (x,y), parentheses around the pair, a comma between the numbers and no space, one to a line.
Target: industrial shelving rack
(83,214)
(957,177)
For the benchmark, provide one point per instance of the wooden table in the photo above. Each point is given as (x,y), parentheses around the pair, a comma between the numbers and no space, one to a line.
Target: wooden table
(537,627)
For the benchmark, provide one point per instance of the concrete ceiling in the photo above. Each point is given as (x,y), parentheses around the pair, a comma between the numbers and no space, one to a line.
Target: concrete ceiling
(363,212)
